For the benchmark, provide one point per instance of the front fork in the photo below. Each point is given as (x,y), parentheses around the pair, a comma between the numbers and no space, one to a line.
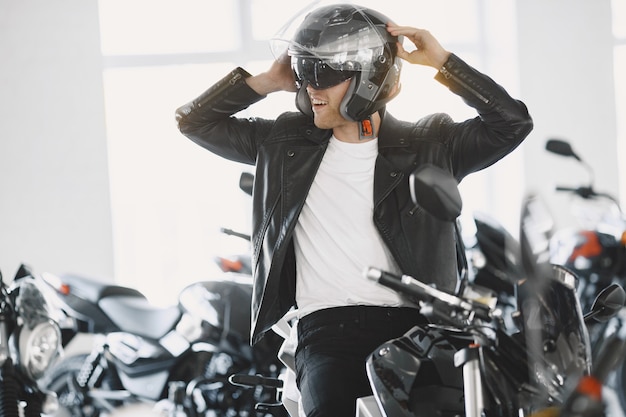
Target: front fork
(469,360)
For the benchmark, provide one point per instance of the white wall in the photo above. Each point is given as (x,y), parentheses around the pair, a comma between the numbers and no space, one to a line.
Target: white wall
(54,193)
(565,58)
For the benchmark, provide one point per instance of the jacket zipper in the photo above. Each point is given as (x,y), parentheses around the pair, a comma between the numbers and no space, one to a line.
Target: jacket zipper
(447,74)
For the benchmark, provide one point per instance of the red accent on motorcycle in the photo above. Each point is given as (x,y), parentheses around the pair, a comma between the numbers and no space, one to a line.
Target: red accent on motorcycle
(64,289)
(589,248)
(590,387)
(228,265)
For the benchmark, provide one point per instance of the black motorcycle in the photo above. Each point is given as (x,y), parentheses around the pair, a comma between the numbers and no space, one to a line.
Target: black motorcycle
(467,362)
(595,250)
(30,341)
(142,353)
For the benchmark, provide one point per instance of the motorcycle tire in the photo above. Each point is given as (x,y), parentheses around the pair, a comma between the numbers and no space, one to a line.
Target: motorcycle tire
(9,387)
(61,379)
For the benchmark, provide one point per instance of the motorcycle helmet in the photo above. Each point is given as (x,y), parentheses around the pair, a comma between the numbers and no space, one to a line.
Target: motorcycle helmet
(331,44)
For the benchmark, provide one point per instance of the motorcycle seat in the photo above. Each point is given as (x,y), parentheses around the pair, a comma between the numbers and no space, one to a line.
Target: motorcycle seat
(93,290)
(136,315)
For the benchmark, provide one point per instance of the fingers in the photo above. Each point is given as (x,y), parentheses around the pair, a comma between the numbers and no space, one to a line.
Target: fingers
(402,53)
(410,32)
(428,50)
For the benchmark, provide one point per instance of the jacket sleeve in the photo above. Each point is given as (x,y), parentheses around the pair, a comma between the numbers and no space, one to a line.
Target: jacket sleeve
(208,120)
(502,123)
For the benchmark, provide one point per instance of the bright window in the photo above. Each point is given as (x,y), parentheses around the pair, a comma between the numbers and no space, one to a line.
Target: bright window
(156,27)
(170,197)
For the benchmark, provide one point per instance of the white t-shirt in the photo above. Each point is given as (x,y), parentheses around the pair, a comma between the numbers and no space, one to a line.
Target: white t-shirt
(335,238)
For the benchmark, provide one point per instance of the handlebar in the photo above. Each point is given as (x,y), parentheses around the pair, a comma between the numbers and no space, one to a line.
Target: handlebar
(231,232)
(412,287)
(250,381)
(584,192)
(587,193)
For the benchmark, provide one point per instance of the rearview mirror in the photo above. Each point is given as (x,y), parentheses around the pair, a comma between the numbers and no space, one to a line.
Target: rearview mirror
(246,182)
(607,304)
(436,191)
(561,147)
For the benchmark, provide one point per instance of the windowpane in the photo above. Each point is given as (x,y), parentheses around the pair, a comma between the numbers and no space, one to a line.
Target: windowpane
(169,196)
(268,16)
(139,27)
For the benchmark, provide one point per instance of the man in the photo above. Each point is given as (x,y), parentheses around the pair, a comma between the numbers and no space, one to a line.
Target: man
(331,194)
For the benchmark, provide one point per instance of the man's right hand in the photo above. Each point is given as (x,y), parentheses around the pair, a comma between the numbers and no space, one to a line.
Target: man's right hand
(279,77)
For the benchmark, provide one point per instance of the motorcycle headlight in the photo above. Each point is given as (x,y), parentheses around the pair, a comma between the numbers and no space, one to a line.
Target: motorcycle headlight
(38,347)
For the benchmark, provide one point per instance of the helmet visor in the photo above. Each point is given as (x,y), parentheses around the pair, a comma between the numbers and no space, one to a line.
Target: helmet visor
(318,73)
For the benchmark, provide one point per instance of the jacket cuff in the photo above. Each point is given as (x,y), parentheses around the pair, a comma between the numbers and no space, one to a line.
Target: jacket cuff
(464,80)
(450,68)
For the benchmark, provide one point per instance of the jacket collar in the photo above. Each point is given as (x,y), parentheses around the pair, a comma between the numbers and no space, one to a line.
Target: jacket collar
(389,134)
(315,134)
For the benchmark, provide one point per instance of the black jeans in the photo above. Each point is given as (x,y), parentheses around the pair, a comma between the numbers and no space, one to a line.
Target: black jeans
(333,345)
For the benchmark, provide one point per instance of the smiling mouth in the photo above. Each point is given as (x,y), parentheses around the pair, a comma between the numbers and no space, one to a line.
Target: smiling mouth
(318,102)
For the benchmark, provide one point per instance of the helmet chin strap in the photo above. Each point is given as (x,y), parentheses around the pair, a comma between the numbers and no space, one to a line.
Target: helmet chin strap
(366,129)
(303,103)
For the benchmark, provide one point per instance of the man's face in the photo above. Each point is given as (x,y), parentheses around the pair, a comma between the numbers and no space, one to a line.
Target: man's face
(325,105)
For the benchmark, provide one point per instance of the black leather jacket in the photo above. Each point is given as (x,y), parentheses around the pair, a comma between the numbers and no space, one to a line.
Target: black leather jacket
(287,153)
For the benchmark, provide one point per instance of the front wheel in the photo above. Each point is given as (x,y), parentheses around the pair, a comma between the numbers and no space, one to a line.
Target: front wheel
(8,390)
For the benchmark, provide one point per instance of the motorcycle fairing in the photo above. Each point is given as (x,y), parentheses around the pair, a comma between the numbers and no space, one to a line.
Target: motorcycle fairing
(414,375)
(148,386)
(137,356)
(144,366)
(501,251)
(551,312)
(223,309)
(597,257)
